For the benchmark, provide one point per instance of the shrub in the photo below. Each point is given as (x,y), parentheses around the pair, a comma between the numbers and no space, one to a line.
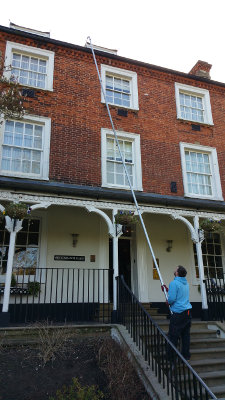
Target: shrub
(123,382)
(34,288)
(52,342)
(77,392)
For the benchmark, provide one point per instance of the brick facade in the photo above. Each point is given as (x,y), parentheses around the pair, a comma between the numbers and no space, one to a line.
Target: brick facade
(78,115)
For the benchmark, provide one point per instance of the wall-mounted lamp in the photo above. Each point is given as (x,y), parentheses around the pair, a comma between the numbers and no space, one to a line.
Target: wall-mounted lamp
(169,245)
(75,238)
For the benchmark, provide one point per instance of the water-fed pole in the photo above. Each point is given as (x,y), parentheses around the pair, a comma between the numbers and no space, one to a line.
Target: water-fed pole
(127,175)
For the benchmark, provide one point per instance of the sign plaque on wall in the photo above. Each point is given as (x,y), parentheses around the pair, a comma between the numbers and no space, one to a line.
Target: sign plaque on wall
(69,258)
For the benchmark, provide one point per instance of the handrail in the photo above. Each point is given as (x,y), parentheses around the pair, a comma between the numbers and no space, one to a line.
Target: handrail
(171,368)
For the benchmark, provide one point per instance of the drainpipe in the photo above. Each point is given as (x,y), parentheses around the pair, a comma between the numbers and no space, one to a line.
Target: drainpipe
(13,226)
(201,270)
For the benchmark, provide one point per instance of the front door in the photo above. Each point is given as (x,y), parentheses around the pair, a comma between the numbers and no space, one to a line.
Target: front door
(125,260)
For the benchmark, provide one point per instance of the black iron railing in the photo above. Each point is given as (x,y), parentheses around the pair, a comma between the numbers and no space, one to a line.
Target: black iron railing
(215,290)
(172,370)
(60,294)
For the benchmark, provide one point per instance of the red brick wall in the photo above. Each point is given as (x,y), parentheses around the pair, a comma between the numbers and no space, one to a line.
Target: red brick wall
(78,116)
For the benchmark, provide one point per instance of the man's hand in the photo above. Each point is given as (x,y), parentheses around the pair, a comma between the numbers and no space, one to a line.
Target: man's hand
(164,287)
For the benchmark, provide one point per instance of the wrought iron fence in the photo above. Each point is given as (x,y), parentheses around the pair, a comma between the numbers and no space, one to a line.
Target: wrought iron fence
(215,290)
(172,370)
(60,294)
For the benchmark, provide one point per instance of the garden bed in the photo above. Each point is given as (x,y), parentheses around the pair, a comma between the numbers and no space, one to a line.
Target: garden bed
(27,372)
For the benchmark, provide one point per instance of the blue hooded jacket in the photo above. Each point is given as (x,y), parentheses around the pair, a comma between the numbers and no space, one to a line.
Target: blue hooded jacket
(178,295)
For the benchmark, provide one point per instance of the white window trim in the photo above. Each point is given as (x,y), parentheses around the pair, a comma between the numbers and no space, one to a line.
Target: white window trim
(30,51)
(135,138)
(46,123)
(208,120)
(124,74)
(216,183)
(42,253)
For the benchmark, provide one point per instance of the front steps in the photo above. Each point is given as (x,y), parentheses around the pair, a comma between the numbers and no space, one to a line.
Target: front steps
(207,355)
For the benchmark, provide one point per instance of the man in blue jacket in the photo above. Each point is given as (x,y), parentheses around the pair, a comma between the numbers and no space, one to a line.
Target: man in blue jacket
(180,320)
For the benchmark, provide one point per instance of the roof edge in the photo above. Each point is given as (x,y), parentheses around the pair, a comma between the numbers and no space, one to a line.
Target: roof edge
(112,56)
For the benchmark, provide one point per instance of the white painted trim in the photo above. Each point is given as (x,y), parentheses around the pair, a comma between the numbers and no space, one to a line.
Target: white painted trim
(216,183)
(31,51)
(135,138)
(197,92)
(62,201)
(46,123)
(124,74)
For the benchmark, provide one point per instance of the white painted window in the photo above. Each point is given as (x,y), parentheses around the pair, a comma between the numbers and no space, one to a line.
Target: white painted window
(30,66)
(25,147)
(120,87)
(200,172)
(113,174)
(30,248)
(193,104)
(212,256)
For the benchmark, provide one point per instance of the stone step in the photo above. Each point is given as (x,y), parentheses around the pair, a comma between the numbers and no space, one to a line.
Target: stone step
(203,354)
(211,342)
(213,378)
(210,364)
(219,391)
(202,333)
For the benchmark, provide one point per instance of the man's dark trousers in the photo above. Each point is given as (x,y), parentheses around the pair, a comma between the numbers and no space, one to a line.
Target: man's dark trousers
(180,325)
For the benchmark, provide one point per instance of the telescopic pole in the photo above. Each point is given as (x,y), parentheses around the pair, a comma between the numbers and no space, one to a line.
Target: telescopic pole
(126,172)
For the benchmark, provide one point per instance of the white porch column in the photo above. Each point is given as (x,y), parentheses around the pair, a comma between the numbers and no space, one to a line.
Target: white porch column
(115,260)
(197,238)
(200,265)
(13,226)
(115,270)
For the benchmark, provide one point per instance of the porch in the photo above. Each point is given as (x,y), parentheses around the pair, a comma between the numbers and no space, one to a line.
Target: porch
(74,251)
(84,295)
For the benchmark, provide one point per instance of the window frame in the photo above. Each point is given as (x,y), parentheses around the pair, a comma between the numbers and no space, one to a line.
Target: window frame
(196,278)
(137,172)
(122,74)
(42,251)
(30,51)
(216,182)
(193,90)
(46,123)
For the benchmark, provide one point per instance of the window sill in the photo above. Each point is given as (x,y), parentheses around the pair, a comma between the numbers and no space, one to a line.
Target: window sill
(112,105)
(122,188)
(190,122)
(35,88)
(25,176)
(203,197)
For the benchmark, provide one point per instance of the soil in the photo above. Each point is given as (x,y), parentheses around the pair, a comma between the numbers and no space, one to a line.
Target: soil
(25,376)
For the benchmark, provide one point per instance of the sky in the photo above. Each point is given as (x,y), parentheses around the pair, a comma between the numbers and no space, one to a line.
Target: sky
(170,33)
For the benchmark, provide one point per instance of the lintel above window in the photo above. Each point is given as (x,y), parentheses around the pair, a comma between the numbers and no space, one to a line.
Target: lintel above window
(193,104)
(120,87)
(30,66)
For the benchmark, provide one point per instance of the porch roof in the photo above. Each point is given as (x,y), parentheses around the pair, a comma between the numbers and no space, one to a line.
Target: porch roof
(100,194)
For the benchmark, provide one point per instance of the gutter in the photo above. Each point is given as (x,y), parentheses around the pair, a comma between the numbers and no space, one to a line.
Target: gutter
(99,193)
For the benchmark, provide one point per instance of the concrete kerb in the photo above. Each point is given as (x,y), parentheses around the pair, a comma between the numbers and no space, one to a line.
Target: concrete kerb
(147,376)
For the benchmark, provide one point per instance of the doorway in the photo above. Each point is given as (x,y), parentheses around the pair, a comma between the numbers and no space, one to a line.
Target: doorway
(125,260)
